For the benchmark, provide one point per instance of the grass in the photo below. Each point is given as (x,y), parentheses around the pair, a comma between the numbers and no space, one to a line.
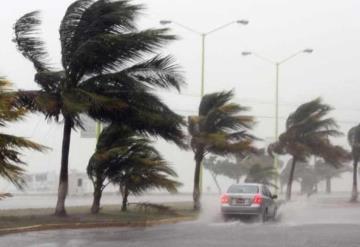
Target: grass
(81,216)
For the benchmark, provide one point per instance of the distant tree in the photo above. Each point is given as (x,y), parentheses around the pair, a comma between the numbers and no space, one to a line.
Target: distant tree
(259,173)
(11,164)
(126,158)
(307,133)
(256,168)
(304,174)
(259,168)
(215,169)
(219,129)
(354,141)
(231,169)
(106,73)
(327,172)
(4,195)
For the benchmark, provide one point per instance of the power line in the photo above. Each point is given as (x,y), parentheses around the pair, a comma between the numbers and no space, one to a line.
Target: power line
(256,101)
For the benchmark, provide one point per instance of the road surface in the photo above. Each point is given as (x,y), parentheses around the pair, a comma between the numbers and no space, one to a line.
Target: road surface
(306,224)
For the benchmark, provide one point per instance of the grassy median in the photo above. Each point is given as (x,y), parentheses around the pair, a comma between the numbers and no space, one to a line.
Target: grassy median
(80,217)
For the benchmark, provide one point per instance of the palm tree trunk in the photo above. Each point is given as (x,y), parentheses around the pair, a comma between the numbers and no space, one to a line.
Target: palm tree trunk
(63,179)
(354,194)
(291,177)
(125,199)
(328,185)
(196,192)
(121,189)
(302,187)
(98,185)
(216,182)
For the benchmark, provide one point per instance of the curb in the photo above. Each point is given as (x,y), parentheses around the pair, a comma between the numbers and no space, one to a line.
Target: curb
(45,227)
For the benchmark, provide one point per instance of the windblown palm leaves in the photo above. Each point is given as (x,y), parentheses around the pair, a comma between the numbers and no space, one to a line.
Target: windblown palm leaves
(219,129)
(128,160)
(104,73)
(11,165)
(307,133)
(354,141)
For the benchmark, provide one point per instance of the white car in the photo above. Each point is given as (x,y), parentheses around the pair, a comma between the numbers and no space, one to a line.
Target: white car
(249,199)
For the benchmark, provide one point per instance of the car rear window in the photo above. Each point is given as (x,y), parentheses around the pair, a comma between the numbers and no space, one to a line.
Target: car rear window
(246,189)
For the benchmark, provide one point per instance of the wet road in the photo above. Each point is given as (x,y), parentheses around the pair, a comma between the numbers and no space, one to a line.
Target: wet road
(298,225)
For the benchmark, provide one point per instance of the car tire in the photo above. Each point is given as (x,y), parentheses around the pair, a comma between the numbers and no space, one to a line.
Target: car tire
(225,217)
(275,213)
(263,216)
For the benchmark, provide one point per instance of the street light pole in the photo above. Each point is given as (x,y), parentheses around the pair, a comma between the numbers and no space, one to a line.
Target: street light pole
(203,36)
(202,90)
(277,68)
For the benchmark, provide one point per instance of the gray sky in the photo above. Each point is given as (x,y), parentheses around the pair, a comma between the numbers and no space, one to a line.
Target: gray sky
(277,29)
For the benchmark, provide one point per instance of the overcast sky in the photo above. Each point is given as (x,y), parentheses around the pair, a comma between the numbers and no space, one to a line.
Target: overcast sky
(277,28)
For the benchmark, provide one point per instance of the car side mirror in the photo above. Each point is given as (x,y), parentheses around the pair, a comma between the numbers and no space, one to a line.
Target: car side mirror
(274,196)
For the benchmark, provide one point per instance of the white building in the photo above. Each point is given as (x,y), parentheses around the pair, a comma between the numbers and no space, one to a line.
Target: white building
(79,183)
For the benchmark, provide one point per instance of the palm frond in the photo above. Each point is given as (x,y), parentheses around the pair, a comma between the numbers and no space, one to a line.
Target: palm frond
(106,52)
(50,81)
(69,26)
(38,101)
(28,43)
(86,19)
(159,71)
(214,100)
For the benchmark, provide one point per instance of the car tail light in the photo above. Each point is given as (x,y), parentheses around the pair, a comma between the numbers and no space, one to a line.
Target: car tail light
(225,199)
(257,199)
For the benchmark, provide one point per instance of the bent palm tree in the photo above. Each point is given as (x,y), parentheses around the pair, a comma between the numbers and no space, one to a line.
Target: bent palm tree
(354,141)
(307,133)
(127,159)
(220,129)
(103,75)
(10,161)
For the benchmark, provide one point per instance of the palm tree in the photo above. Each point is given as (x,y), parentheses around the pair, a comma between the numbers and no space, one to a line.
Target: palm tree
(11,165)
(307,133)
(220,129)
(128,159)
(104,74)
(354,141)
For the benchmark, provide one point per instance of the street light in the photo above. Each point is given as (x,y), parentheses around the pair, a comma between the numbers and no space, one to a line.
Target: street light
(203,36)
(277,67)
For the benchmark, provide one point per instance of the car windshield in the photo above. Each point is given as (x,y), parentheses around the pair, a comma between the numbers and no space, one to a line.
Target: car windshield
(247,189)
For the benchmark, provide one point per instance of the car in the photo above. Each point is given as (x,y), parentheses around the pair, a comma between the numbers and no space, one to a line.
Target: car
(249,199)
